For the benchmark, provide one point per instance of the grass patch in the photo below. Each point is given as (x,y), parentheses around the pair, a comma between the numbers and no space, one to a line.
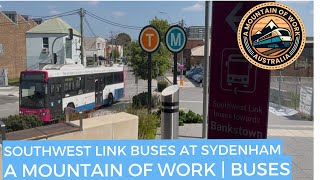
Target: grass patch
(14,81)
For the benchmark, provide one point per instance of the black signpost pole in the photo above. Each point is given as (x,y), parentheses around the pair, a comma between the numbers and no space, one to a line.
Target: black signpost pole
(149,82)
(175,68)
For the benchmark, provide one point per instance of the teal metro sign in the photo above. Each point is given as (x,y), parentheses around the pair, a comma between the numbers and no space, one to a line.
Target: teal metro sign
(176,39)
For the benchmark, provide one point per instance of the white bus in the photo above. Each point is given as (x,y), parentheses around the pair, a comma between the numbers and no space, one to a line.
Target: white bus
(45,93)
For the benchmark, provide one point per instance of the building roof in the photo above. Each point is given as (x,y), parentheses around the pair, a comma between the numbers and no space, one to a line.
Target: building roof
(54,26)
(199,51)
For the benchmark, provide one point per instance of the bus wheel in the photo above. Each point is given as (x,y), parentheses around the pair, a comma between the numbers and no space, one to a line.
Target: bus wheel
(71,105)
(110,99)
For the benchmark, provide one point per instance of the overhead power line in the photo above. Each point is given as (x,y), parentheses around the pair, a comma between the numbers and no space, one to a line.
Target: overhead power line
(90,29)
(69,13)
(111,22)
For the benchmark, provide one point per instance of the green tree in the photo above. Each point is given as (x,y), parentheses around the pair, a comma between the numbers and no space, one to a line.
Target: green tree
(123,39)
(161,59)
(114,54)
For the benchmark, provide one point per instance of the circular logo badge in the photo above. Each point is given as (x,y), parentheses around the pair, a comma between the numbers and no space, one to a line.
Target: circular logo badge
(271,36)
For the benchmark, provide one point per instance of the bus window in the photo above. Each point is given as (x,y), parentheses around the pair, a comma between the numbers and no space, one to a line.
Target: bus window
(118,77)
(78,84)
(109,79)
(52,89)
(58,88)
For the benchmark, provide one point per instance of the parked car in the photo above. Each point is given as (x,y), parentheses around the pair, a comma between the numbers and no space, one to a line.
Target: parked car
(193,72)
(198,77)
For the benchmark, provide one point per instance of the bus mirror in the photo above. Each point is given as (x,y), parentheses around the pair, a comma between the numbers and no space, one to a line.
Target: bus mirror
(54,58)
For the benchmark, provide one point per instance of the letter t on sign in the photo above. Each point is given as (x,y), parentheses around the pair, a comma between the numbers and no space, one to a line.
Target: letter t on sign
(149,39)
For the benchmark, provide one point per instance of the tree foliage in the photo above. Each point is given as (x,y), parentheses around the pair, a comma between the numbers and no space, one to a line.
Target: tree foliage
(123,39)
(161,59)
(114,54)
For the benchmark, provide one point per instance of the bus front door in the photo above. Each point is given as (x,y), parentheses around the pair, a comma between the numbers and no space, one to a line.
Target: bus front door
(98,92)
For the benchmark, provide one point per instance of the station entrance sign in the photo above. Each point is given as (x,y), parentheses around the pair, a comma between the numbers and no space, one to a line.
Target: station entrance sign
(239,91)
(149,41)
(176,40)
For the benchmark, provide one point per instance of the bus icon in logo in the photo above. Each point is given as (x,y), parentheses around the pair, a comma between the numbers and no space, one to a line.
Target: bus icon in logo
(237,74)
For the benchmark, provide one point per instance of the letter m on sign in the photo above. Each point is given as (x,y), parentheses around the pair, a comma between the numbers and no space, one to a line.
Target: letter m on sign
(176,41)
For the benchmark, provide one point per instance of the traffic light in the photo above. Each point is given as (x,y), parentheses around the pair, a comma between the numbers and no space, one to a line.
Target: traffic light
(54,58)
(70,33)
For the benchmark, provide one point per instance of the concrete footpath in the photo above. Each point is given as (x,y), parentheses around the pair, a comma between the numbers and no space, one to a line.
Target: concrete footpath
(9,91)
(297,135)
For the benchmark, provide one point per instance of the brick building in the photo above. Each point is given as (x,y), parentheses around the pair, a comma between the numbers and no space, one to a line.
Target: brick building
(303,66)
(191,43)
(13,41)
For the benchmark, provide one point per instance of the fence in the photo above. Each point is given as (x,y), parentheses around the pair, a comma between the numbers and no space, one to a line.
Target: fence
(293,92)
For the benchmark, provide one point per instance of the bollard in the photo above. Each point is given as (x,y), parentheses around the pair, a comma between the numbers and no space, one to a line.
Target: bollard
(170,112)
(81,121)
(3,131)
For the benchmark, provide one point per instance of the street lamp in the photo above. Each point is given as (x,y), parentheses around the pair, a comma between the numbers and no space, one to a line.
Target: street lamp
(161,12)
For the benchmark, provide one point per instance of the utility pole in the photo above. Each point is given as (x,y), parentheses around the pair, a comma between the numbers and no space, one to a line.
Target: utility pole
(206,73)
(81,32)
(181,70)
(112,48)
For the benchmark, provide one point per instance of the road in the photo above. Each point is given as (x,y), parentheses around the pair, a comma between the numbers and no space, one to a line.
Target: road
(9,105)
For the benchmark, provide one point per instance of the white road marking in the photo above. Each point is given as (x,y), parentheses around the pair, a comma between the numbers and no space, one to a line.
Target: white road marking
(4,109)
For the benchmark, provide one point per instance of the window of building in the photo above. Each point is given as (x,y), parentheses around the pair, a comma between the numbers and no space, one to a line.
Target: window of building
(45,42)
(68,48)
(1,49)
(98,44)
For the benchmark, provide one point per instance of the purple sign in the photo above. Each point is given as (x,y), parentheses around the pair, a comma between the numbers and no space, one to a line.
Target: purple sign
(239,91)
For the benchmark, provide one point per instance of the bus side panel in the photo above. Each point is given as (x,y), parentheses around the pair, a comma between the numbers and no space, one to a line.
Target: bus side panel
(117,91)
(81,102)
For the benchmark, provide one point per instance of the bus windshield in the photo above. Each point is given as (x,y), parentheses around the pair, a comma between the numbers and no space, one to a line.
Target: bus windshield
(32,94)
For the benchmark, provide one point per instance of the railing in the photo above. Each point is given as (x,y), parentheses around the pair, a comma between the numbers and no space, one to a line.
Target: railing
(67,111)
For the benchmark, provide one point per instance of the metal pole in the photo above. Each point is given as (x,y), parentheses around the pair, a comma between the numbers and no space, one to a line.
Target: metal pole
(149,82)
(279,93)
(206,74)
(181,71)
(82,41)
(175,68)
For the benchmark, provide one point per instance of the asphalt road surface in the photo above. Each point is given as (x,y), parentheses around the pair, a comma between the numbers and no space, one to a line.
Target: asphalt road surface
(9,105)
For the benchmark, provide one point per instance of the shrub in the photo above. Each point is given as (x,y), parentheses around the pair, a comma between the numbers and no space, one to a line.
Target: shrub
(141,100)
(162,85)
(192,117)
(21,122)
(158,114)
(148,123)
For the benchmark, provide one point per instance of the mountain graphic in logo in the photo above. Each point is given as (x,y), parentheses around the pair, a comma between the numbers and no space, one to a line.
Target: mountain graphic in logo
(268,28)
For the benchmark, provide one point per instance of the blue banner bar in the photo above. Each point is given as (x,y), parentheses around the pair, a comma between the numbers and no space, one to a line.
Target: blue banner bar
(145,159)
